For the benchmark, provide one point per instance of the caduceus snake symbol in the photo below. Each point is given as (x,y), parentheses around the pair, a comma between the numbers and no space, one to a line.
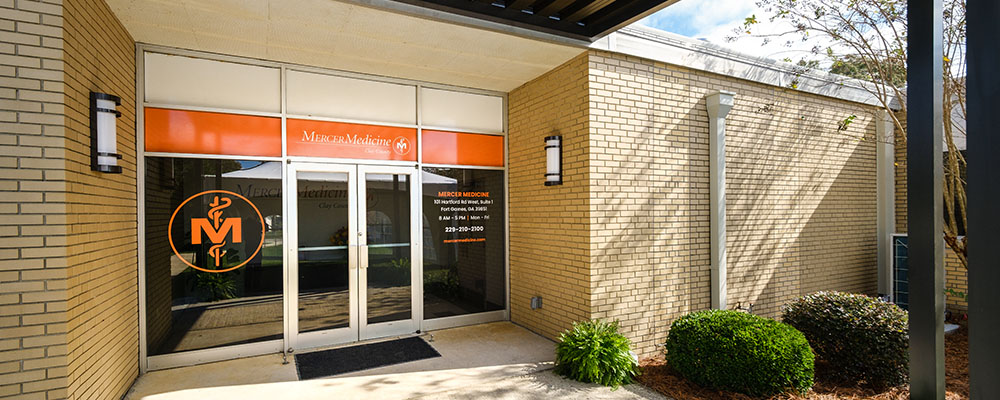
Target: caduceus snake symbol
(215,214)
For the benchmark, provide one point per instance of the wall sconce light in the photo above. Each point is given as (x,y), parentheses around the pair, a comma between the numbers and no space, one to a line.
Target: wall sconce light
(553,160)
(103,133)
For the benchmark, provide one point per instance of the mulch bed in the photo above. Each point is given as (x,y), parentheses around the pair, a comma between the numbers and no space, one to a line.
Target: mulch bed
(657,375)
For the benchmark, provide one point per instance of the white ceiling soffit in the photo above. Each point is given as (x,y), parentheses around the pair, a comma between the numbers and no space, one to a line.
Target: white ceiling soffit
(336,35)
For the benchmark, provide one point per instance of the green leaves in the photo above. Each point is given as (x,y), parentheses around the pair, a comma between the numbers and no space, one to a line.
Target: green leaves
(594,352)
(736,351)
(749,21)
(862,338)
(842,125)
(217,286)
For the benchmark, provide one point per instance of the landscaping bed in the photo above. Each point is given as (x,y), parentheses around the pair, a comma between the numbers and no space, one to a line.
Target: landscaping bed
(658,376)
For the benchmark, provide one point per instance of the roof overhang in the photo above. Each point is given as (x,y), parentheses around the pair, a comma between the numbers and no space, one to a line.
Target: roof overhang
(576,20)
(404,41)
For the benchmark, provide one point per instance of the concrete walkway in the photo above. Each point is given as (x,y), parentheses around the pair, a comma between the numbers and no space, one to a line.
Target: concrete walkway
(497,361)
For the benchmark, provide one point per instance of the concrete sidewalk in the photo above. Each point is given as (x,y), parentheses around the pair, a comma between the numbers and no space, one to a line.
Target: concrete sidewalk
(544,385)
(496,360)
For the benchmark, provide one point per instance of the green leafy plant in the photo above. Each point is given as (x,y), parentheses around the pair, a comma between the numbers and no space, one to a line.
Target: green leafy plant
(401,263)
(846,122)
(862,339)
(957,293)
(594,352)
(442,282)
(218,286)
(740,352)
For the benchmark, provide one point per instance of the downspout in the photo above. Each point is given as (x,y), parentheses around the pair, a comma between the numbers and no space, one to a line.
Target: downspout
(719,104)
(886,198)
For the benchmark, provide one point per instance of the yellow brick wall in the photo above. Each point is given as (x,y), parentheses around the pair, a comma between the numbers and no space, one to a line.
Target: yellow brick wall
(33,187)
(549,225)
(955,275)
(649,190)
(900,174)
(956,278)
(103,326)
(800,192)
(801,203)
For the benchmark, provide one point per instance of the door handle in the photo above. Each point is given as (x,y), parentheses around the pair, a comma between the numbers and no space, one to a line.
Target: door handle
(363,256)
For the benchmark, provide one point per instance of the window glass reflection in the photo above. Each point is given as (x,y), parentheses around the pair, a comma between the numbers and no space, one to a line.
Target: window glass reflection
(213,253)
(464,241)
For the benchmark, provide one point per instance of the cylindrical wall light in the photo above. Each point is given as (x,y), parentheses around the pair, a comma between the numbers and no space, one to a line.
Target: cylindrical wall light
(553,160)
(103,133)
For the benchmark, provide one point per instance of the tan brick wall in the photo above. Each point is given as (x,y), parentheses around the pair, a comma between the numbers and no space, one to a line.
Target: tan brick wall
(33,186)
(801,196)
(549,225)
(955,275)
(68,318)
(649,189)
(956,278)
(103,328)
(900,173)
(801,205)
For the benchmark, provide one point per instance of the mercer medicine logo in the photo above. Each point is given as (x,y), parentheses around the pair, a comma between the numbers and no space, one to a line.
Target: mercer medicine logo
(401,145)
(371,143)
(219,233)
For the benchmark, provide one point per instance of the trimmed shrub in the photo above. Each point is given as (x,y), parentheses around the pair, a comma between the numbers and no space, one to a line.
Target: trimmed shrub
(740,352)
(594,352)
(862,339)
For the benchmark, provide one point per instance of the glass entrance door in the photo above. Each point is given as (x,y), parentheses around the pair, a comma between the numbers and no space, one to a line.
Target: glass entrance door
(323,260)
(388,293)
(351,269)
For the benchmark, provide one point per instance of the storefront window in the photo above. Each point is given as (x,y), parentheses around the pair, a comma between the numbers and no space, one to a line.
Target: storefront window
(464,241)
(213,253)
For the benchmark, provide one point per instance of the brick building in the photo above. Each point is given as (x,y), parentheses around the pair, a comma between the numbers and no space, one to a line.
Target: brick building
(295,177)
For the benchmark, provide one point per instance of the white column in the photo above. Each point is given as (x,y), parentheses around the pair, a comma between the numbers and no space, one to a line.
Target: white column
(886,197)
(719,104)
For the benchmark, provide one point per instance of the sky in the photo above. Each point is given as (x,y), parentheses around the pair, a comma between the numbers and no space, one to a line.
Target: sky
(714,20)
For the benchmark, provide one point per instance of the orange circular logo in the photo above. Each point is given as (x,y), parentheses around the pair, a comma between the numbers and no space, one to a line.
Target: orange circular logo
(221,228)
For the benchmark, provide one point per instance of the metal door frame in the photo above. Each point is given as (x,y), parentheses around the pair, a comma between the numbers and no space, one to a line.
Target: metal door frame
(400,327)
(294,339)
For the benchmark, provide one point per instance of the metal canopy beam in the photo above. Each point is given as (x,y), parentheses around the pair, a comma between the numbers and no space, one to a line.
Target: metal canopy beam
(983,101)
(924,177)
(573,19)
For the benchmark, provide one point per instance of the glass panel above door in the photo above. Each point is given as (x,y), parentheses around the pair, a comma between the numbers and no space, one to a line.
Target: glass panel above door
(387,224)
(323,251)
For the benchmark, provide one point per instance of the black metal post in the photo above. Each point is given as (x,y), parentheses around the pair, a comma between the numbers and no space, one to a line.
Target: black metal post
(924,179)
(983,101)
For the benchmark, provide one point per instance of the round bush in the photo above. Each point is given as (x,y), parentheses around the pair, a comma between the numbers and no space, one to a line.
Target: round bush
(740,352)
(862,339)
(594,352)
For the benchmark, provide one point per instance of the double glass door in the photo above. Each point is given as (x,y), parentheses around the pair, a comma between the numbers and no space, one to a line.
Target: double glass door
(352,253)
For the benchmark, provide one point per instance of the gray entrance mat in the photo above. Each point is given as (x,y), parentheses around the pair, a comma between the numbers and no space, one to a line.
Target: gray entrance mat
(361,357)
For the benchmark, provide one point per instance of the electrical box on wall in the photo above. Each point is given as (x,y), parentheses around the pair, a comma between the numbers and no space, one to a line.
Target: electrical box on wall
(536,302)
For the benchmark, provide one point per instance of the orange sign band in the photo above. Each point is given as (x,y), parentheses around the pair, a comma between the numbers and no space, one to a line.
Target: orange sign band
(200,132)
(345,140)
(440,147)
(170,235)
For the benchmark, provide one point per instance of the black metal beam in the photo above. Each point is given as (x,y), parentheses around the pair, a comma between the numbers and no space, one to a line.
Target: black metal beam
(983,102)
(554,7)
(583,8)
(611,17)
(574,19)
(519,4)
(508,16)
(924,197)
